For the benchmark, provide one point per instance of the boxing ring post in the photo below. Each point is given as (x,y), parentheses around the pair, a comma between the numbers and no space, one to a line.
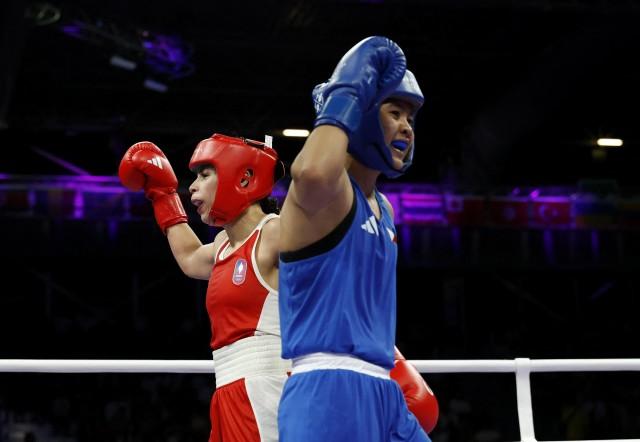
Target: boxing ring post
(522,367)
(523,394)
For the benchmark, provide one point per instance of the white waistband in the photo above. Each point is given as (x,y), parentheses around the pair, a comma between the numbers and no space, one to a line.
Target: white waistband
(335,361)
(252,356)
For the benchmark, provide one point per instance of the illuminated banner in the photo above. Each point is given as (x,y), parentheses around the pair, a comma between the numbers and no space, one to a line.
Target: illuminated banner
(468,210)
(551,211)
(594,212)
(103,197)
(423,209)
(508,211)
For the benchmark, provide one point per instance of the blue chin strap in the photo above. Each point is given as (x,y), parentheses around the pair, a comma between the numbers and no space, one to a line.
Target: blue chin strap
(367,144)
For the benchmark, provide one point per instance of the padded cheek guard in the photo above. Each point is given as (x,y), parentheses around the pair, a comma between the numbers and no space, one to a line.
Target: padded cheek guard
(245,170)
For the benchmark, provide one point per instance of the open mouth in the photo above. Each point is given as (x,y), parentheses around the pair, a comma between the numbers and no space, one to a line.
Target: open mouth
(400,145)
(399,149)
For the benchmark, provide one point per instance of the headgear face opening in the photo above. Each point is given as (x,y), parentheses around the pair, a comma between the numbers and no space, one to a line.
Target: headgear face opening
(245,170)
(370,147)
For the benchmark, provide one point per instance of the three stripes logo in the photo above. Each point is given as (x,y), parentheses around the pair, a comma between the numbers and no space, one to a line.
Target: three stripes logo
(155,161)
(370,226)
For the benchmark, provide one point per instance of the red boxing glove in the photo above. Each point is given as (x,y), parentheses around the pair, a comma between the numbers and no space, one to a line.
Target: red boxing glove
(420,399)
(145,166)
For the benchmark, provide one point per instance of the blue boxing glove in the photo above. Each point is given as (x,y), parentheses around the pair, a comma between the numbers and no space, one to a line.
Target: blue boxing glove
(366,74)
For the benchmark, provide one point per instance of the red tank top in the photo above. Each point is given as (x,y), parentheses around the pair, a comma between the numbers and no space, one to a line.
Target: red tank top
(239,302)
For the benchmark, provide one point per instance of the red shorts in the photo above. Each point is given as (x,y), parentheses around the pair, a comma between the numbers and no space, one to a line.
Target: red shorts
(246,410)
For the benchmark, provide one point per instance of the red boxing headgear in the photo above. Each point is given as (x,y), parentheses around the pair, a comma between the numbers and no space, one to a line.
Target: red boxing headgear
(245,170)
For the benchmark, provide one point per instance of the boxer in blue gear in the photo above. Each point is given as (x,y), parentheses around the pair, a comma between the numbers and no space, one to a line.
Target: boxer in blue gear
(338,255)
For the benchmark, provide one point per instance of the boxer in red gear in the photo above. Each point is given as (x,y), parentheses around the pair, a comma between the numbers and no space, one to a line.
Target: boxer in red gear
(234,179)
(419,396)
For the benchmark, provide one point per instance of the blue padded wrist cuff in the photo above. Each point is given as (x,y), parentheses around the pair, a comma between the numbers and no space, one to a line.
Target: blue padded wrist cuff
(342,111)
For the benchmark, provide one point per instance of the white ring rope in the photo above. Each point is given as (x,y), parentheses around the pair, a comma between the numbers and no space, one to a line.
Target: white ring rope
(207,366)
(522,367)
(105,366)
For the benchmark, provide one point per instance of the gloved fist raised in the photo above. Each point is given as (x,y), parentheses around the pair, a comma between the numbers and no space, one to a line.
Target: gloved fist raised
(367,73)
(419,397)
(144,166)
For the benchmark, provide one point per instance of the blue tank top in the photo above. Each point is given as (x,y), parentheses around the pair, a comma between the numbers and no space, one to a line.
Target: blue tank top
(338,295)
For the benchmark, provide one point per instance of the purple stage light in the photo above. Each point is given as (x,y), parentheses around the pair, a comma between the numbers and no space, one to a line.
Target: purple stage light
(167,55)
(422,208)
(74,30)
(78,206)
(413,203)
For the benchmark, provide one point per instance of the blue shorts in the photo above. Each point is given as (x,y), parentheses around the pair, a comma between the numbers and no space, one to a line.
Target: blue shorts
(344,405)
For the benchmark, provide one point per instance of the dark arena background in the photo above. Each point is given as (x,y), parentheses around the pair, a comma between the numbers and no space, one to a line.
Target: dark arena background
(519,235)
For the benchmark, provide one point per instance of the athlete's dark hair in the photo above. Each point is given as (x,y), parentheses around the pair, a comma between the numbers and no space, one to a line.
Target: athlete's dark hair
(269,205)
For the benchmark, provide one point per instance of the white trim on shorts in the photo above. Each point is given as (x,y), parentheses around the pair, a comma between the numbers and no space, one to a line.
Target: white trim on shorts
(252,356)
(336,361)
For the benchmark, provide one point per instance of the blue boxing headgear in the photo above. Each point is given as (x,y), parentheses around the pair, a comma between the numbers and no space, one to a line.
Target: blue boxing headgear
(367,144)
